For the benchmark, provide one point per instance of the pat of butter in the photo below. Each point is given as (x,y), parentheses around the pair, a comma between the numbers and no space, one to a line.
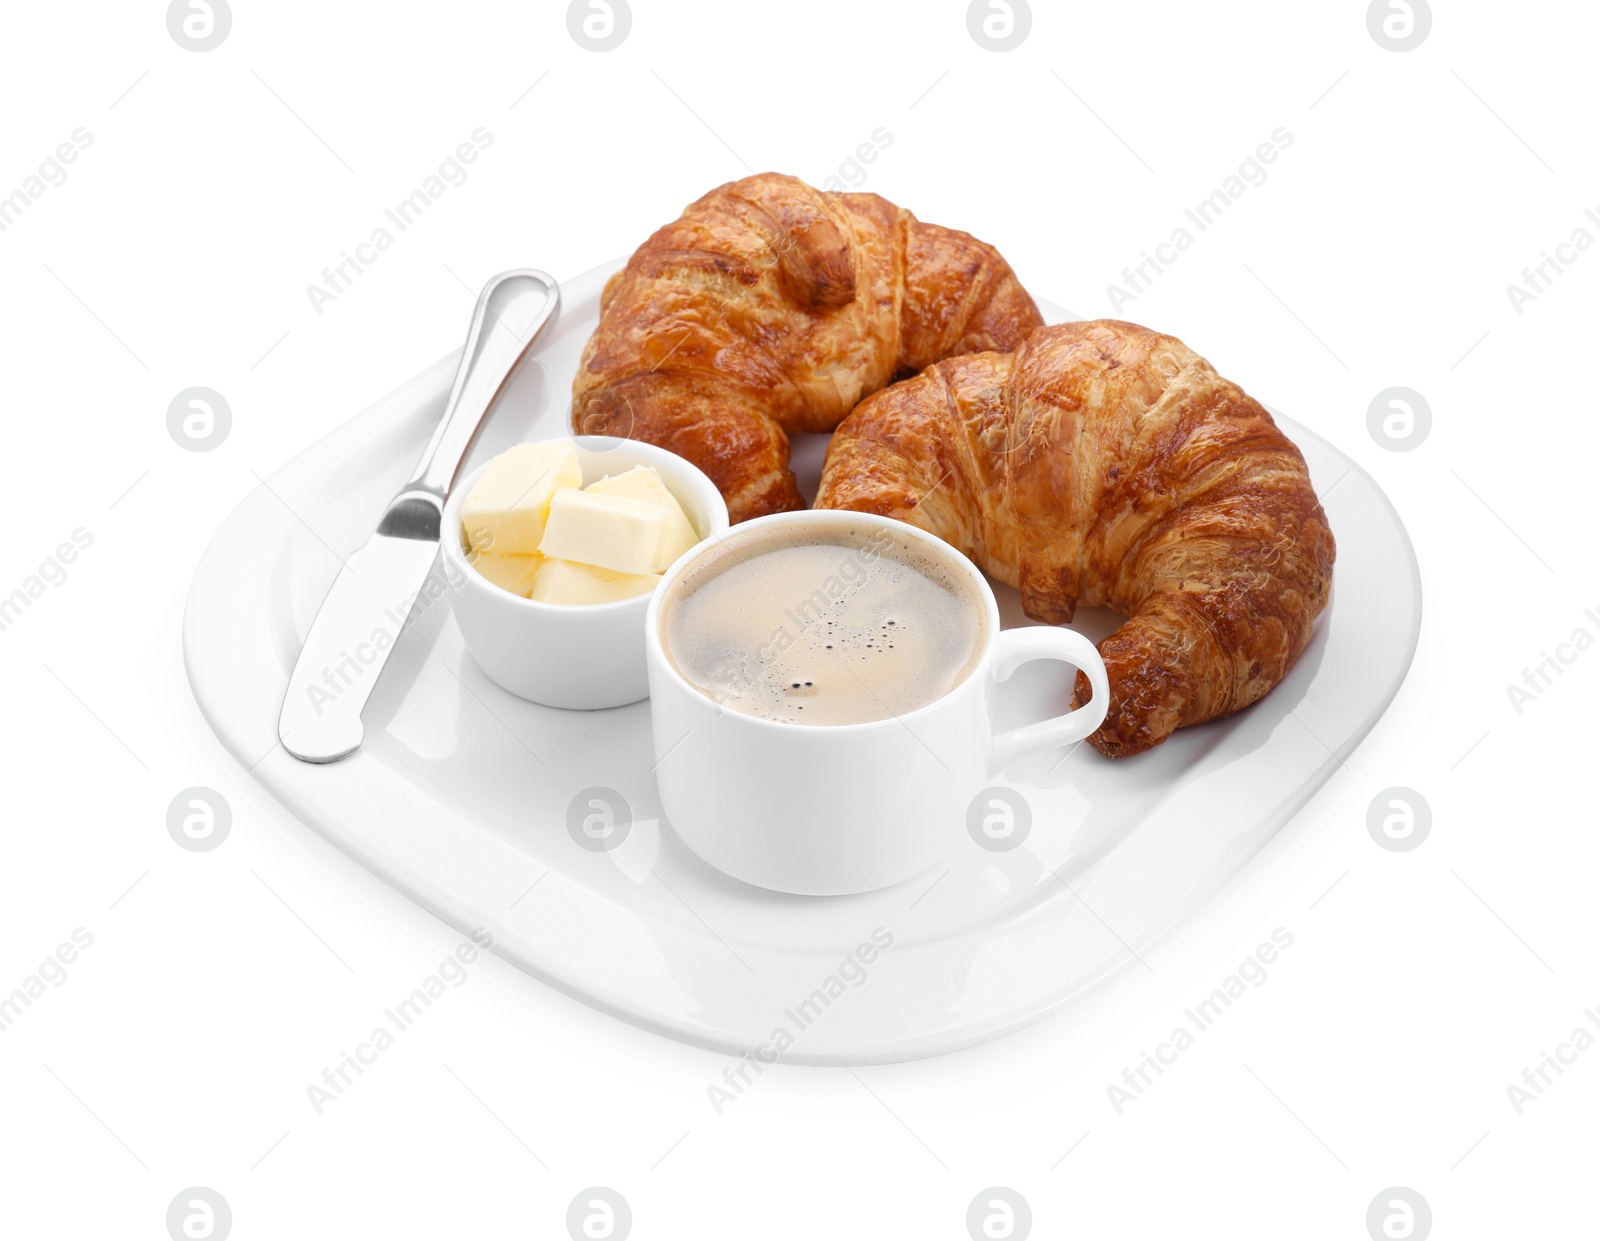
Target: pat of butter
(506,510)
(564,581)
(513,573)
(643,483)
(609,532)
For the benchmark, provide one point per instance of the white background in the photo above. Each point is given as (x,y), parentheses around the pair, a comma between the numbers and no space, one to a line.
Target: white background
(1378,253)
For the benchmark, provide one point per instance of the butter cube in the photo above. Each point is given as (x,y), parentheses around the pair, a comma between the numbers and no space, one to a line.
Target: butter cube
(506,510)
(564,581)
(513,573)
(608,532)
(643,483)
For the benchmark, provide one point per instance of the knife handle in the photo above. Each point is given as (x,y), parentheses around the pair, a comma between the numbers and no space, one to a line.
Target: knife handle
(512,310)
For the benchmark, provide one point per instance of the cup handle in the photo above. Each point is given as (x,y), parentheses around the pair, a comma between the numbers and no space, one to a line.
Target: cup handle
(1016,647)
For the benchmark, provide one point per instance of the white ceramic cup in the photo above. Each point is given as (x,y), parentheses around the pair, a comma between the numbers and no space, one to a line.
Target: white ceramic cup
(577,656)
(824,810)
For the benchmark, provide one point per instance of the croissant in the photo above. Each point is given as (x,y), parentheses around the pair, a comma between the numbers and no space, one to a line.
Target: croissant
(1103,463)
(770,307)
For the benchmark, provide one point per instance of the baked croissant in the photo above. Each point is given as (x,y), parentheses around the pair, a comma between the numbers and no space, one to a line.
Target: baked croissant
(1106,464)
(770,307)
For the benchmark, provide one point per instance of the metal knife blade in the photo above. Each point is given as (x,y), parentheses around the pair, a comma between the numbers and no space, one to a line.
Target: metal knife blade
(371,600)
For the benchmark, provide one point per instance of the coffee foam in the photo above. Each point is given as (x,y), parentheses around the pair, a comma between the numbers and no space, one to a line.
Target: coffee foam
(822,624)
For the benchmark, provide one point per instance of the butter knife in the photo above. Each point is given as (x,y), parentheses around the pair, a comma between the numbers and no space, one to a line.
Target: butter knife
(354,631)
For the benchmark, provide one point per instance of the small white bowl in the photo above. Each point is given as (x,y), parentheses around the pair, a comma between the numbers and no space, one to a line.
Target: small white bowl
(576,656)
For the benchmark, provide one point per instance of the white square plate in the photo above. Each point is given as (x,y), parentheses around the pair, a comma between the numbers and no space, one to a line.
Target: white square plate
(460,797)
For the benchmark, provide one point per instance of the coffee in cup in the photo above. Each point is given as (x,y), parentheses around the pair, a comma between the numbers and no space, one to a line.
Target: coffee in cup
(841,806)
(849,624)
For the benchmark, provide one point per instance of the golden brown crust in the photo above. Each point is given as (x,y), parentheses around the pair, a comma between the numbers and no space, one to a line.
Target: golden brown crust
(1106,464)
(770,307)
